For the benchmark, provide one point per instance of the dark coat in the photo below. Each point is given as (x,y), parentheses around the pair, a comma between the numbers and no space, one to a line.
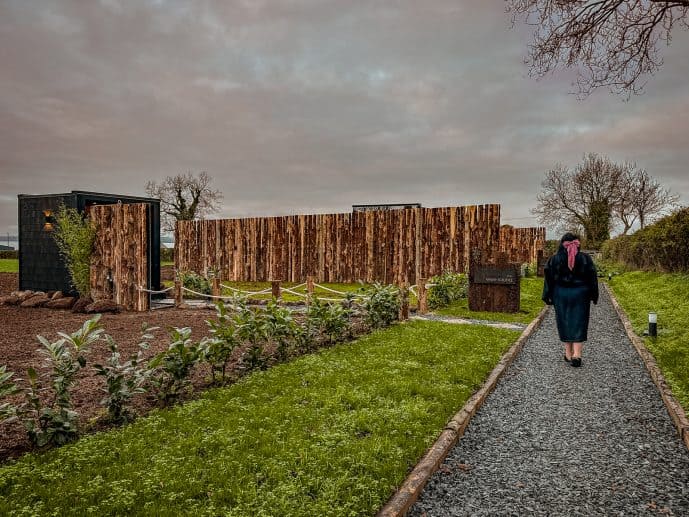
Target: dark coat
(557,273)
(571,292)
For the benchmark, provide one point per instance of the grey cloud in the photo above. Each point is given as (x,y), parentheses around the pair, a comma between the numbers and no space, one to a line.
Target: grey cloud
(308,106)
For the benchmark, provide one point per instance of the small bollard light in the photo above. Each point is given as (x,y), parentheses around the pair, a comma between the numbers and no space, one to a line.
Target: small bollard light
(609,277)
(652,324)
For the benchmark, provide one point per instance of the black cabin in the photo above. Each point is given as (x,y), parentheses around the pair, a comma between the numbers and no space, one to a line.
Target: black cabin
(41,268)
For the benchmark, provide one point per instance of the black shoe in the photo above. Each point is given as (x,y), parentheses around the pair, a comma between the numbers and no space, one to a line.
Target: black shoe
(576,362)
(568,360)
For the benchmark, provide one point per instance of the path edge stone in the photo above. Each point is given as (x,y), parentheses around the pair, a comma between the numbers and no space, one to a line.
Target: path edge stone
(406,495)
(674,408)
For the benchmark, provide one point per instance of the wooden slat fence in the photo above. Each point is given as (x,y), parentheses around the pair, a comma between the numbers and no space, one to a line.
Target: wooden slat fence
(119,263)
(390,246)
(522,244)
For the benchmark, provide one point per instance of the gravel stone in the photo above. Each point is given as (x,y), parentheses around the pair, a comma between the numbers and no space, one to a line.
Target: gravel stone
(557,440)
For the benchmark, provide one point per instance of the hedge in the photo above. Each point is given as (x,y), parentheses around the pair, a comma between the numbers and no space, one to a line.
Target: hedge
(661,246)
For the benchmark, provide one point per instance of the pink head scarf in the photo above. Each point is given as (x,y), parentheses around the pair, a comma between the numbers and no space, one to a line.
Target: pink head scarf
(572,247)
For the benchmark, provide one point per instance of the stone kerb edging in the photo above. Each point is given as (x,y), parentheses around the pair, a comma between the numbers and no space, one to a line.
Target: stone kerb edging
(407,494)
(674,408)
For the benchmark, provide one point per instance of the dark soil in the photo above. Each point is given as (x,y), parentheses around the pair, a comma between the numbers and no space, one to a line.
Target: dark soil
(8,282)
(18,350)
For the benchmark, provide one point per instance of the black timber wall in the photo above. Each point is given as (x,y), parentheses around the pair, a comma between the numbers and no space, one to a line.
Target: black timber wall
(41,268)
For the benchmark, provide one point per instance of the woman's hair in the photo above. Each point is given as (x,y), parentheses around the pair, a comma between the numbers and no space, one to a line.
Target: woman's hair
(569,236)
(560,263)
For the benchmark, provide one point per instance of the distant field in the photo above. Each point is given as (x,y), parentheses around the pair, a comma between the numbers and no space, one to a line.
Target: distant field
(9,265)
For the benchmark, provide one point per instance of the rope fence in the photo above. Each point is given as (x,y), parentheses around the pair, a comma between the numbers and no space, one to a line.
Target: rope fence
(419,291)
(149,291)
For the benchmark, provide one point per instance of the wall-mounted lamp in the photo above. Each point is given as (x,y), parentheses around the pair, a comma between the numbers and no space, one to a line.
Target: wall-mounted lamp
(49,221)
(652,324)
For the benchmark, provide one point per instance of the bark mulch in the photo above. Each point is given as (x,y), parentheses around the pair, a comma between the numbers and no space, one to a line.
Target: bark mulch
(8,282)
(18,350)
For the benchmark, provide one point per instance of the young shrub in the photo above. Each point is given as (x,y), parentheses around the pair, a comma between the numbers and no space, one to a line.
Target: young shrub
(195,282)
(447,288)
(123,380)
(55,423)
(8,412)
(381,305)
(330,320)
(251,329)
(173,366)
(280,328)
(74,236)
(217,349)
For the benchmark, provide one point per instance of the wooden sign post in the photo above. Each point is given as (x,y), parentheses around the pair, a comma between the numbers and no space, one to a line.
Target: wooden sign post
(494,286)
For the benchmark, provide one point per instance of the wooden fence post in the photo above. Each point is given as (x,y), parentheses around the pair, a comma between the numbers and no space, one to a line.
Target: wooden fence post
(179,295)
(215,286)
(309,288)
(275,287)
(404,302)
(422,296)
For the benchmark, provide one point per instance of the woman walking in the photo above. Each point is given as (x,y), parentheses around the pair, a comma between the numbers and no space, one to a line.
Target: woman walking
(571,284)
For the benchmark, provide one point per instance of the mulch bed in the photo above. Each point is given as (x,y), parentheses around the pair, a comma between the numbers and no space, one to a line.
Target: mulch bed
(8,282)
(18,350)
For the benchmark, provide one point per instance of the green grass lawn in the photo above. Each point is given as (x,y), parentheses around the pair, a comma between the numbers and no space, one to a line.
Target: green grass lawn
(9,265)
(530,303)
(332,433)
(667,294)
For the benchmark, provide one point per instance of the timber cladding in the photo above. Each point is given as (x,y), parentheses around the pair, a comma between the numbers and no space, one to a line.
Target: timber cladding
(119,263)
(391,246)
(522,245)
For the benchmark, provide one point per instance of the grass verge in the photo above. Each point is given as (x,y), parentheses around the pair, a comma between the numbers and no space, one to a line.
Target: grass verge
(9,265)
(331,433)
(667,294)
(530,305)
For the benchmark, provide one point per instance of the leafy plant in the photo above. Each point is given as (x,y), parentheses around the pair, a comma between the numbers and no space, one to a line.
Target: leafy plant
(279,327)
(328,319)
(123,380)
(55,422)
(74,235)
(381,305)
(173,366)
(528,269)
(252,330)
(195,282)
(657,247)
(47,424)
(8,411)
(217,349)
(447,288)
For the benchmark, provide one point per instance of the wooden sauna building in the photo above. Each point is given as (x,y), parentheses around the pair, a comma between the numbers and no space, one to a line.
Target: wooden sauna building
(41,268)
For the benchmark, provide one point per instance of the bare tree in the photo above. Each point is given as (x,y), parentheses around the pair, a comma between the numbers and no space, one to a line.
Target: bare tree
(642,199)
(584,197)
(611,43)
(185,197)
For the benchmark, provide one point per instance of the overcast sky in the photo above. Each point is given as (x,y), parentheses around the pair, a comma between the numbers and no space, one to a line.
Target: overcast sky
(309,106)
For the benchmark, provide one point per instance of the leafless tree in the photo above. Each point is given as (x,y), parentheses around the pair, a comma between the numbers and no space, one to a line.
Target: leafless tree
(611,43)
(584,197)
(643,199)
(185,197)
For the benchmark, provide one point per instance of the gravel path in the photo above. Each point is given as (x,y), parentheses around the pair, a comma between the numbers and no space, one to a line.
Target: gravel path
(557,440)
